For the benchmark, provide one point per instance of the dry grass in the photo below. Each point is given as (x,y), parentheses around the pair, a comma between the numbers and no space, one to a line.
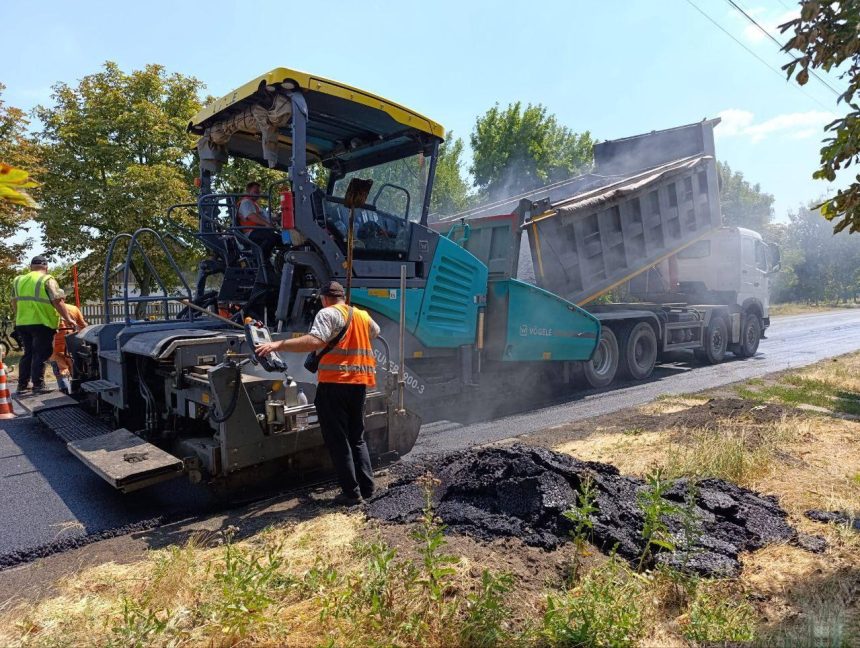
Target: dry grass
(180,587)
(779,310)
(670,404)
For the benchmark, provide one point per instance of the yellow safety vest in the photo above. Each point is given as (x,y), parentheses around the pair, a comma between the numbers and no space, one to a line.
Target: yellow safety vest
(32,305)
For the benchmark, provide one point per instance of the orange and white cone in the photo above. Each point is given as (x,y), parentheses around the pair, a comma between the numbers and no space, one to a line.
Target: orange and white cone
(5,398)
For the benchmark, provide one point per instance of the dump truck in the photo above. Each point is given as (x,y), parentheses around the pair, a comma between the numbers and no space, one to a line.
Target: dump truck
(156,396)
(647,218)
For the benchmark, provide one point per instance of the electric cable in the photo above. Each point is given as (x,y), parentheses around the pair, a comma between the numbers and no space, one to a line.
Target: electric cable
(780,45)
(760,59)
(231,406)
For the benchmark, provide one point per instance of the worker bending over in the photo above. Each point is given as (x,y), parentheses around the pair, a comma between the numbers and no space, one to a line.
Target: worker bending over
(37,307)
(60,361)
(346,370)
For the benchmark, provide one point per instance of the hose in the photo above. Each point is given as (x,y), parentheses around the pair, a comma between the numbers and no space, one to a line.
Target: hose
(148,398)
(231,406)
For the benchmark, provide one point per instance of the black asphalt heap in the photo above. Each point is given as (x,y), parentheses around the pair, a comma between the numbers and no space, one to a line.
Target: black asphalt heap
(523,491)
(834,517)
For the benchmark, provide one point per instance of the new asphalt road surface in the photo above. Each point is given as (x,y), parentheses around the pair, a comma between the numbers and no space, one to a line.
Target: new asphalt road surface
(49,500)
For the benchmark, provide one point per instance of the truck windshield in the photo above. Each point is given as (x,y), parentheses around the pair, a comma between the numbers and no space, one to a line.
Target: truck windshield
(398,186)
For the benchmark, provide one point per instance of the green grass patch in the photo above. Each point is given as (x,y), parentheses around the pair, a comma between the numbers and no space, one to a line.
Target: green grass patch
(714,618)
(603,610)
(798,390)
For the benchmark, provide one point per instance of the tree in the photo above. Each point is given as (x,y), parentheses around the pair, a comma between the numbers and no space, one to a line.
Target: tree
(827,36)
(18,151)
(516,149)
(817,265)
(450,190)
(116,155)
(743,204)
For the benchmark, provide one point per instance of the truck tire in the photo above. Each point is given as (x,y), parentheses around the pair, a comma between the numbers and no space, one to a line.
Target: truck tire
(600,370)
(750,336)
(715,342)
(638,351)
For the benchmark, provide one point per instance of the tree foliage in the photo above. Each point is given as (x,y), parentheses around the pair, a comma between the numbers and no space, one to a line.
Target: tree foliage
(450,189)
(516,149)
(18,150)
(743,204)
(818,266)
(827,37)
(116,155)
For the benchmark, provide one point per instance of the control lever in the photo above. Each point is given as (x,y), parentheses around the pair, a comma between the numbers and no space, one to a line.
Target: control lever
(256,334)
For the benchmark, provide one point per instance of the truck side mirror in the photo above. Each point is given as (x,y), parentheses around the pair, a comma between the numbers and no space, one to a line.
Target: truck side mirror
(775,258)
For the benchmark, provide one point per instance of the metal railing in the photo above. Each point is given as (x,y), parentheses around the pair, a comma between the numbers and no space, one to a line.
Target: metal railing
(142,302)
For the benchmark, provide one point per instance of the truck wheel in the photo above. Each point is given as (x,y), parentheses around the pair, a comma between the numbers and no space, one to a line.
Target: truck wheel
(750,336)
(600,370)
(715,342)
(638,351)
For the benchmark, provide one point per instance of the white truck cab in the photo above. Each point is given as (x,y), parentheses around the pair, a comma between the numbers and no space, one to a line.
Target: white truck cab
(730,266)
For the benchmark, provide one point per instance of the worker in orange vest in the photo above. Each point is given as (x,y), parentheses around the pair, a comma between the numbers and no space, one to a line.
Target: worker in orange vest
(343,334)
(59,360)
(254,220)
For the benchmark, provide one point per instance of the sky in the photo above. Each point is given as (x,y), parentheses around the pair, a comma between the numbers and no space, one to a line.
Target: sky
(613,67)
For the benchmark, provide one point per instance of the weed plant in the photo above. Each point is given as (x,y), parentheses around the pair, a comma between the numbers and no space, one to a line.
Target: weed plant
(580,514)
(603,610)
(654,508)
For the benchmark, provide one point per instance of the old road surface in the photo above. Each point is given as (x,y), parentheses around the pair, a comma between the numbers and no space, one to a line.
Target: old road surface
(49,501)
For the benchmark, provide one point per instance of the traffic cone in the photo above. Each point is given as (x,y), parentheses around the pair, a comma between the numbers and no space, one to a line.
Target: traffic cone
(5,398)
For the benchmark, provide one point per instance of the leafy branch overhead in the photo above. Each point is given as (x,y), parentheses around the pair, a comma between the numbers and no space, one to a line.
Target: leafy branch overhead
(12,184)
(827,37)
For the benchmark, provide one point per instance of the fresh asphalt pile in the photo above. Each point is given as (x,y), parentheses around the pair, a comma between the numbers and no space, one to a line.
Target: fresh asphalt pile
(523,491)
(834,517)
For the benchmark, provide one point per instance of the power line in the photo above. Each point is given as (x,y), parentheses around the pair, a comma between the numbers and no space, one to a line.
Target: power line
(751,53)
(778,44)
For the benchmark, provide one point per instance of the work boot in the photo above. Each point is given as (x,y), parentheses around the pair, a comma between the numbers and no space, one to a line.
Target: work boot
(347,499)
(42,389)
(22,390)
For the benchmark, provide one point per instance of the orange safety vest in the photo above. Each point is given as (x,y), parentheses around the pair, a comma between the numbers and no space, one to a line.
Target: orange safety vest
(62,332)
(351,362)
(248,220)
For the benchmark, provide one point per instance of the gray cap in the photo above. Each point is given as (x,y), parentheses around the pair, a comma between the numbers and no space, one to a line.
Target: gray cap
(39,260)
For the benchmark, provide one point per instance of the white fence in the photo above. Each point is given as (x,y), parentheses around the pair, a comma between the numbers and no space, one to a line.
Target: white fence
(94,313)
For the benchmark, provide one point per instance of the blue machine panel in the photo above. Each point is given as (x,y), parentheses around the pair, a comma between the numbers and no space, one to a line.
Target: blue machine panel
(543,326)
(386,302)
(456,287)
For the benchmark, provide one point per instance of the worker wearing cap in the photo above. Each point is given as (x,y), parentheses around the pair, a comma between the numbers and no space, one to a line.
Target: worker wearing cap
(60,362)
(345,373)
(38,307)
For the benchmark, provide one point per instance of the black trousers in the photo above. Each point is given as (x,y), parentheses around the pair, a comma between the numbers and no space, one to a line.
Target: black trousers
(340,409)
(267,240)
(38,343)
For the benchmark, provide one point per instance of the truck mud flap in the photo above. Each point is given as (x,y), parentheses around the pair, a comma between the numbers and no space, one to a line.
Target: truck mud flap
(126,461)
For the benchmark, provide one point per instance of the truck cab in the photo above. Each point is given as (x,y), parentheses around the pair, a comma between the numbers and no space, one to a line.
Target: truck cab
(731,266)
